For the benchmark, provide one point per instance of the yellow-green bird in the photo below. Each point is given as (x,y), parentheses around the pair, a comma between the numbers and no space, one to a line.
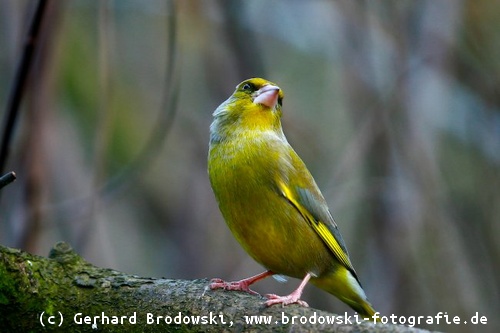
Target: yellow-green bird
(272,204)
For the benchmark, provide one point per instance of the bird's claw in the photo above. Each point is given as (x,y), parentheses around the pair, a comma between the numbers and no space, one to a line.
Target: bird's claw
(284,300)
(234,285)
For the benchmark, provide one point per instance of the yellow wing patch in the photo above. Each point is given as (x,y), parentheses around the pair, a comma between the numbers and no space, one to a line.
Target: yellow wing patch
(332,243)
(319,226)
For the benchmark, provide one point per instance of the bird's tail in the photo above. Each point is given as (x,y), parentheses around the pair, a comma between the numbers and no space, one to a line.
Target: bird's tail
(344,285)
(364,308)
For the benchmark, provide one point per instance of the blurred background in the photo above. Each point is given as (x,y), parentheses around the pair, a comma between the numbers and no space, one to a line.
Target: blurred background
(393,105)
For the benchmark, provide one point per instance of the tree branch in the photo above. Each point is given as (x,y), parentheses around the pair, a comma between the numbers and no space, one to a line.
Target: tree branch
(15,97)
(7,179)
(66,285)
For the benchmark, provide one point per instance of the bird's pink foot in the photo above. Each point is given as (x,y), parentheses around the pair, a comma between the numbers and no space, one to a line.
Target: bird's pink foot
(285,300)
(294,297)
(241,285)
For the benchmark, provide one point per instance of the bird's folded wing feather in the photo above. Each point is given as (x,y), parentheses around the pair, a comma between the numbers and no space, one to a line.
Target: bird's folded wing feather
(320,220)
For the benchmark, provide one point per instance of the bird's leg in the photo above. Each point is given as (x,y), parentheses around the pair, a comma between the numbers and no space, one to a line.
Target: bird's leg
(294,297)
(241,285)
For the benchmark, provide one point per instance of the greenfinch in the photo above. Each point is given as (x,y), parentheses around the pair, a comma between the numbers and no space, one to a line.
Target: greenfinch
(272,204)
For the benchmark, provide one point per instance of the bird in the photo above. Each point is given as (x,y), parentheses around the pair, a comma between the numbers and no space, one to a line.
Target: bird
(271,202)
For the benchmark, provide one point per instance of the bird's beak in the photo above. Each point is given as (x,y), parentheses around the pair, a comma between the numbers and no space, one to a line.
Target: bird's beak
(267,95)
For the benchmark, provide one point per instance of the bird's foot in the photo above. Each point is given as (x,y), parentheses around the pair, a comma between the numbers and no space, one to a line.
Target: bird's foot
(242,285)
(285,300)
(294,297)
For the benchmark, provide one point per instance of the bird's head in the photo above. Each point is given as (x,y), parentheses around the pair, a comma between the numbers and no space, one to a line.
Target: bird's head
(254,105)
(259,92)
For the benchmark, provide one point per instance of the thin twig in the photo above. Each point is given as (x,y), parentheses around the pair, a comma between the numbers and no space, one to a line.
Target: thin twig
(22,73)
(7,179)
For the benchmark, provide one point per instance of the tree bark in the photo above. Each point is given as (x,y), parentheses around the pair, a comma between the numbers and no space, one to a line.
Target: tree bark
(36,292)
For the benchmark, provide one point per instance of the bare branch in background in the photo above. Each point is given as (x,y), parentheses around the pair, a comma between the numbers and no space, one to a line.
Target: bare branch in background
(35,165)
(19,86)
(7,179)
(163,124)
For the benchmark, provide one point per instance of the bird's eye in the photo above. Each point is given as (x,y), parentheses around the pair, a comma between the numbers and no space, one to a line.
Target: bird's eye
(247,87)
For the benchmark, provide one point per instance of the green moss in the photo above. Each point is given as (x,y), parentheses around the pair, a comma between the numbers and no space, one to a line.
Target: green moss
(7,286)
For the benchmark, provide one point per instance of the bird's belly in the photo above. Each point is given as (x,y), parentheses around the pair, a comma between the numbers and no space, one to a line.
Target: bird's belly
(263,221)
(278,237)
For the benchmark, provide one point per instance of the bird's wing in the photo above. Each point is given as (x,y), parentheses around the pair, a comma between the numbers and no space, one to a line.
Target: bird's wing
(320,219)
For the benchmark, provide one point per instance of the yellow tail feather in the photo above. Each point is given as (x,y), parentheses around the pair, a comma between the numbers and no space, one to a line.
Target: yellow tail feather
(342,284)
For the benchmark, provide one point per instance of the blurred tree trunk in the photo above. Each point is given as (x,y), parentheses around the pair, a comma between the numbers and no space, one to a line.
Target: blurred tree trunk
(65,285)
(33,155)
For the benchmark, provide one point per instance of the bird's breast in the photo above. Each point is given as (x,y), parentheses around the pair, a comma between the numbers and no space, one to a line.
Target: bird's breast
(244,177)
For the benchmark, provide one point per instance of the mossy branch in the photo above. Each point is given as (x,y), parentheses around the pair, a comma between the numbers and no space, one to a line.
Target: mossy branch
(65,285)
